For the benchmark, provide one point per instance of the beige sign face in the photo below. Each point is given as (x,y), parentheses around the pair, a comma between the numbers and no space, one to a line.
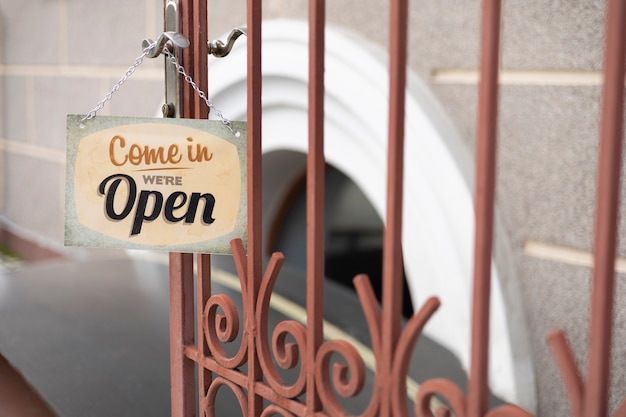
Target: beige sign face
(169,184)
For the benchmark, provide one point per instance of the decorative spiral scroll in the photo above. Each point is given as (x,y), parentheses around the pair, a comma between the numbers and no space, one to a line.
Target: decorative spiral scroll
(569,370)
(574,384)
(447,390)
(402,354)
(274,410)
(208,405)
(453,395)
(240,258)
(339,368)
(287,355)
(371,310)
(223,328)
(348,374)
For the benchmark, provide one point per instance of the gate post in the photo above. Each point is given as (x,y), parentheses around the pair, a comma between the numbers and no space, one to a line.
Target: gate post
(486,142)
(596,394)
(188,17)
(254,12)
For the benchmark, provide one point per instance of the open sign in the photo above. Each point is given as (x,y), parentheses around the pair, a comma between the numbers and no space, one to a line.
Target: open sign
(167,184)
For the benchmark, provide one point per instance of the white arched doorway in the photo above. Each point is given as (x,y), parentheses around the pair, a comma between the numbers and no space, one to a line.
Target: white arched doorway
(438,212)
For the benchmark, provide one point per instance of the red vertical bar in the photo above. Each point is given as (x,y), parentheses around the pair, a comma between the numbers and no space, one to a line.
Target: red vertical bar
(392,251)
(193,24)
(195,57)
(478,387)
(203,292)
(187,57)
(181,334)
(255,14)
(200,49)
(607,209)
(201,111)
(315,197)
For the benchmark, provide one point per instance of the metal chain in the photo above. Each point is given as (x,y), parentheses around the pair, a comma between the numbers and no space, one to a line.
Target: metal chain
(200,93)
(179,68)
(129,72)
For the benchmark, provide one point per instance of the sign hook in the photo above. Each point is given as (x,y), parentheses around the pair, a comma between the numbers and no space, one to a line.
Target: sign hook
(156,48)
(218,49)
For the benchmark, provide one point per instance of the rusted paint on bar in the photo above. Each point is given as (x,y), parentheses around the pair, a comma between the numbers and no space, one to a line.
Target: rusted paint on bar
(607,209)
(254,16)
(193,24)
(315,198)
(254,137)
(181,334)
(187,56)
(569,371)
(199,46)
(392,250)
(203,292)
(478,386)
(194,58)
(392,345)
(178,273)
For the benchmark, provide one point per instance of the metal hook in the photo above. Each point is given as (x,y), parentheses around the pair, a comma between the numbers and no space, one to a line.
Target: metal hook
(217,47)
(175,38)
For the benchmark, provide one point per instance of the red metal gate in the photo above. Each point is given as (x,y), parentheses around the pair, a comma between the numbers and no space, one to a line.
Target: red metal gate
(252,373)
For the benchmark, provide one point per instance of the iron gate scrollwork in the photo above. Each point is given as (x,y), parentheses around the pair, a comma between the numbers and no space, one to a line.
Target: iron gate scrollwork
(320,383)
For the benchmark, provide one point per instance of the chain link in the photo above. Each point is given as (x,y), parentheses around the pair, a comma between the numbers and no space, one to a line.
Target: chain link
(116,87)
(179,69)
(201,94)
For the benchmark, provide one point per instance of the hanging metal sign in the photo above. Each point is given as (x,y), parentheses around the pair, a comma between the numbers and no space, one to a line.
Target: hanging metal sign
(161,184)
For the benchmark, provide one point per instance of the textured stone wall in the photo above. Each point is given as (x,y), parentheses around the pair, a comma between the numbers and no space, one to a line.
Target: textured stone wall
(63,56)
(60,57)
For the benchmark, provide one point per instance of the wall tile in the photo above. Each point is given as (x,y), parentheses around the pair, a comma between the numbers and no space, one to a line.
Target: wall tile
(55,98)
(105,32)
(29,32)
(556,34)
(33,195)
(15,109)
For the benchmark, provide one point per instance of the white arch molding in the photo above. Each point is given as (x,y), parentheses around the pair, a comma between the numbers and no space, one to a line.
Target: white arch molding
(438,208)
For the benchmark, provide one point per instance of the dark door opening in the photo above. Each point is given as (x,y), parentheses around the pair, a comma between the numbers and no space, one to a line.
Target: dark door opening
(353,234)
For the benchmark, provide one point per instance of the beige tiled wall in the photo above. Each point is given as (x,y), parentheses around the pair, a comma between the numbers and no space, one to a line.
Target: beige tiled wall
(63,56)
(60,57)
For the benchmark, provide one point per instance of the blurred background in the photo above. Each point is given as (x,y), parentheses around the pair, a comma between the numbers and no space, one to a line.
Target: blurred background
(62,56)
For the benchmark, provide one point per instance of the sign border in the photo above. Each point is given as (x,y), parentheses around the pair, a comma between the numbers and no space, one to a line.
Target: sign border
(77,234)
